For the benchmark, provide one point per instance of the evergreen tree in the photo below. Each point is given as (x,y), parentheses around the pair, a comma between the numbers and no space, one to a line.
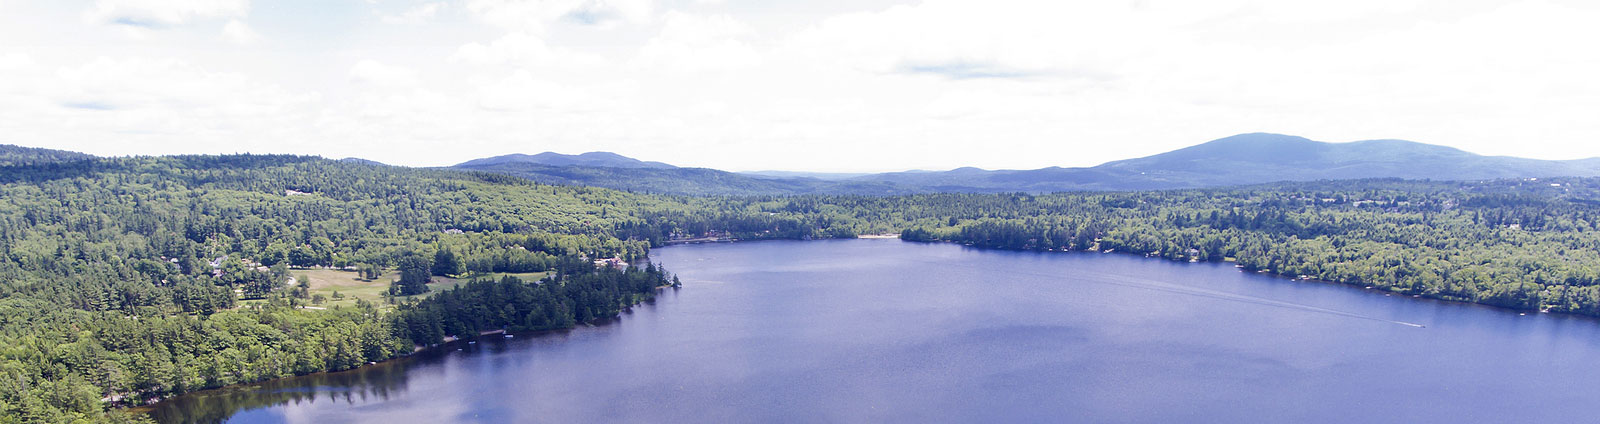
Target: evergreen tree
(445,263)
(413,276)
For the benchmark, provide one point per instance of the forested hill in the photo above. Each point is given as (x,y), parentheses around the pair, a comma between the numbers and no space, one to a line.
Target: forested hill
(1252,159)
(1259,158)
(124,280)
(1237,160)
(593,159)
(11,155)
(682,181)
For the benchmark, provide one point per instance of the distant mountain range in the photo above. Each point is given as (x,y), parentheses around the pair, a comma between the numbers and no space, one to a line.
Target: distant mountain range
(1237,160)
(685,181)
(591,159)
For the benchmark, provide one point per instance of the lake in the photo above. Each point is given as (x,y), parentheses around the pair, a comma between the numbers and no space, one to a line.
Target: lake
(891,331)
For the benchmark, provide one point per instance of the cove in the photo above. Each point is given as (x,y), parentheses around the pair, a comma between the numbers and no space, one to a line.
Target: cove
(885,330)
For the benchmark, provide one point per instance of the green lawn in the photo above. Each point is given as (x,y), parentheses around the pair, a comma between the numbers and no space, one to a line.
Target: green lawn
(525,276)
(347,283)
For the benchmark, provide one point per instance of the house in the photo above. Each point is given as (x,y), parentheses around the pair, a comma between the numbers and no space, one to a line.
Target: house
(617,263)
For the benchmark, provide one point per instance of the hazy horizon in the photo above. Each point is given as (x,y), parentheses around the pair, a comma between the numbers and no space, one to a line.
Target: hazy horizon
(828,86)
(776,171)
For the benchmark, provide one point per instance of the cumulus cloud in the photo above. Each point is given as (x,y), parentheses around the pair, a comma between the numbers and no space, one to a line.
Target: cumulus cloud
(373,73)
(521,92)
(142,106)
(163,13)
(415,15)
(526,50)
(536,15)
(692,43)
(789,84)
(10,61)
(237,32)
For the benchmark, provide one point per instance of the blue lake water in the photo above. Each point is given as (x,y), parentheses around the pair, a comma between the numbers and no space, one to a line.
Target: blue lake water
(891,331)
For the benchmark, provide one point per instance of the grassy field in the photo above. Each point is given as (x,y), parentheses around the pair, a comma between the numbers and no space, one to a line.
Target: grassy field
(525,276)
(326,282)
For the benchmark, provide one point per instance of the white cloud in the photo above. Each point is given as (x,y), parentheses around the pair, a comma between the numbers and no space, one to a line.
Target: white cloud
(142,106)
(163,13)
(536,15)
(237,32)
(526,50)
(10,61)
(522,92)
(415,15)
(373,73)
(997,84)
(691,43)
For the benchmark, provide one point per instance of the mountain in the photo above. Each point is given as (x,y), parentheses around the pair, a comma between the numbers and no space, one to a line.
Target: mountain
(1237,160)
(596,159)
(803,174)
(363,161)
(11,155)
(681,181)
(1251,159)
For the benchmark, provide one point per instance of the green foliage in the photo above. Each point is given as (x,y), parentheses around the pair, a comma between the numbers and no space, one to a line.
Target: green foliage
(446,264)
(585,294)
(1532,245)
(12,155)
(413,276)
(127,280)
(122,279)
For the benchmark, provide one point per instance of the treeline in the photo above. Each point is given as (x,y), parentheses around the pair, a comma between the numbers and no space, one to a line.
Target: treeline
(579,293)
(128,280)
(1523,245)
(63,376)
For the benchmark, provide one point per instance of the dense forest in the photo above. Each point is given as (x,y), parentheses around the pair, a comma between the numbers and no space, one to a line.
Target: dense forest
(124,281)
(128,280)
(1530,244)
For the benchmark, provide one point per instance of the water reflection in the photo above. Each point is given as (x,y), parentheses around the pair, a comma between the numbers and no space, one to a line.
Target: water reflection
(879,330)
(371,383)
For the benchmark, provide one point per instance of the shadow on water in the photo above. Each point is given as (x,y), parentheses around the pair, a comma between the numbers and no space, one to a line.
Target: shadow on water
(371,383)
(368,384)
(216,406)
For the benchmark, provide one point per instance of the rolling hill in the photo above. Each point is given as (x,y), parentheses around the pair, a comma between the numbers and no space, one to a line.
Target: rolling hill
(1251,159)
(682,181)
(1237,160)
(11,154)
(590,159)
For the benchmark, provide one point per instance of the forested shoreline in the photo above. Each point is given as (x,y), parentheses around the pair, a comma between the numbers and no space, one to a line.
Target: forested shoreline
(126,280)
(1524,245)
(129,280)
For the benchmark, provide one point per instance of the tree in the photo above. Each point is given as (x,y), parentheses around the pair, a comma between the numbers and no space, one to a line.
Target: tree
(445,263)
(413,276)
(302,257)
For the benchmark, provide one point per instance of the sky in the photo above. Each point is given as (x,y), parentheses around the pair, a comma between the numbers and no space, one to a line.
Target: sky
(817,85)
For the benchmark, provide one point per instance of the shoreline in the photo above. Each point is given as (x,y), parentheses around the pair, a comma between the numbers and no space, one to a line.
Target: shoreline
(1367,287)
(439,348)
